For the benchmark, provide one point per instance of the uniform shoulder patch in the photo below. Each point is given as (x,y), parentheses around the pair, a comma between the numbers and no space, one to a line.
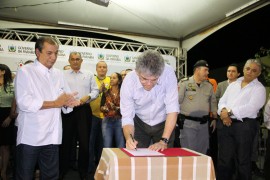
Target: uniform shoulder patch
(184,79)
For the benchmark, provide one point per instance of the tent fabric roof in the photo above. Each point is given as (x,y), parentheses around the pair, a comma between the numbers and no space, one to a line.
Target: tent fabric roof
(172,19)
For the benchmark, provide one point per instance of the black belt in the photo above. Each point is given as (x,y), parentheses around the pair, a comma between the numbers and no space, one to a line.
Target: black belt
(243,119)
(202,120)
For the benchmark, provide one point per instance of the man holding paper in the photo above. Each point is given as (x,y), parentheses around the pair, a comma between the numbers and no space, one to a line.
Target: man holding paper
(149,103)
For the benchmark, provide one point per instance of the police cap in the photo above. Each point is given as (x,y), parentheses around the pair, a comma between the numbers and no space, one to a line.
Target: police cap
(201,63)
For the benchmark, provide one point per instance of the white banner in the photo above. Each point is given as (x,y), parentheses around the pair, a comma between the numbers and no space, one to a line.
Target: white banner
(15,53)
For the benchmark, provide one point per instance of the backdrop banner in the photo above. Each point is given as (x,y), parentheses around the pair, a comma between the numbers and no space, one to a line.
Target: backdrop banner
(15,53)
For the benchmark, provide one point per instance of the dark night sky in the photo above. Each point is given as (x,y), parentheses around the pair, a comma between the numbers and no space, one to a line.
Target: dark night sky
(235,43)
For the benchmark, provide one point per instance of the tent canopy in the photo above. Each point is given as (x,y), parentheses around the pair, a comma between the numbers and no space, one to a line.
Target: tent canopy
(176,20)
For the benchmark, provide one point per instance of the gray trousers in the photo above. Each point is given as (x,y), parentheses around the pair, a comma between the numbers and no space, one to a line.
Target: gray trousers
(195,136)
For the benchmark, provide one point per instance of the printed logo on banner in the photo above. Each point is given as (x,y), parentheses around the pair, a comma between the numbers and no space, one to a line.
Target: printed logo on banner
(26,50)
(100,57)
(87,56)
(12,52)
(127,58)
(11,48)
(113,57)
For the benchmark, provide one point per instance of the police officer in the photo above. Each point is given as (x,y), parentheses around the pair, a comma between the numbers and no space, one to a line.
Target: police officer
(197,99)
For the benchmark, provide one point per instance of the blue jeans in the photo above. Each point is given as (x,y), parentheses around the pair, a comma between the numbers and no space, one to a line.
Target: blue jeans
(47,157)
(112,132)
(95,144)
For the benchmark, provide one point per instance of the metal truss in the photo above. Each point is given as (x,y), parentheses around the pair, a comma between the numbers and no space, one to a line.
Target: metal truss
(102,44)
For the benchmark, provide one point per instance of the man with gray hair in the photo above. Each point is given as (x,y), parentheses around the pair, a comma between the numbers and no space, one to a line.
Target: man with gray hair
(238,109)
(78,122)
(149,103)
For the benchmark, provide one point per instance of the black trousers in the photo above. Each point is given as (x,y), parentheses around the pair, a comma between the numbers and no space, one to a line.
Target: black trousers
(77,123)
(236,141)
(213,144)
(267,158)
(145,134)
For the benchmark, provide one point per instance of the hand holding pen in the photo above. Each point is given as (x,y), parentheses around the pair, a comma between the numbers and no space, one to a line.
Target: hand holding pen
(131,143)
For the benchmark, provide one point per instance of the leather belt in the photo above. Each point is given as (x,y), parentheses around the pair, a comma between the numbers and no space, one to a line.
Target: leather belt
(202,120)
(194,118)
(244,119)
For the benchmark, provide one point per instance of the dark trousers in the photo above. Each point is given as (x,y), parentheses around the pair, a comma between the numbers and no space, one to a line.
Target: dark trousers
(267,158)
(145,134)
(213,145)
(46,156)
(95,144)
(177,133)
(255,155)
(78,122)
(236,141)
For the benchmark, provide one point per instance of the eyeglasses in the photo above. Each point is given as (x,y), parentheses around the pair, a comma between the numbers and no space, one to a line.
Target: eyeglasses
(145,80)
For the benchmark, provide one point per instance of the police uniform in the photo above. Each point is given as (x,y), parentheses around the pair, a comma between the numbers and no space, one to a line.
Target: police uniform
(195,102)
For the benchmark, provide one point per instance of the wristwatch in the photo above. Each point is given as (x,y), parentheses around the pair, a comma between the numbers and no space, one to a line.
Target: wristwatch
(165,140)
(230,113)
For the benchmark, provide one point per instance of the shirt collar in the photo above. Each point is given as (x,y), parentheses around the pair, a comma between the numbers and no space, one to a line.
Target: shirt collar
(71,71)
(254,81)
(42,68)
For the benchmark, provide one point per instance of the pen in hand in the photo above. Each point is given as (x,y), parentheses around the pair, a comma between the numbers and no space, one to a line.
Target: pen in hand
(133,140)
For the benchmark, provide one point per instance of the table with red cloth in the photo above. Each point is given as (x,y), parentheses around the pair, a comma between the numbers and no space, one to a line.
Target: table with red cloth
(177,163)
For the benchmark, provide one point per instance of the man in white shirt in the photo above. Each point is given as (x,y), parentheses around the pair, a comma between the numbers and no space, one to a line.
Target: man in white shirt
(41,92)
(149,103)
(267,125)
(238,109)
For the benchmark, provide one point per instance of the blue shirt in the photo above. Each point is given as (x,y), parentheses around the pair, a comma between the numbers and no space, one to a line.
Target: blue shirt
(150,106)
(83,83)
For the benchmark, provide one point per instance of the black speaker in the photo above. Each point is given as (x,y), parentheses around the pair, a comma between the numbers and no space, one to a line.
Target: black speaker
(100,2)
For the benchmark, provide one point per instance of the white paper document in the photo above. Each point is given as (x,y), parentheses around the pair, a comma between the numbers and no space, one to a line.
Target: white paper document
(143,152)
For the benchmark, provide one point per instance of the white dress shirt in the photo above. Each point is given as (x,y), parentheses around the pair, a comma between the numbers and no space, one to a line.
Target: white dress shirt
(244,102)
(267,115)
(35,84)
(151,106)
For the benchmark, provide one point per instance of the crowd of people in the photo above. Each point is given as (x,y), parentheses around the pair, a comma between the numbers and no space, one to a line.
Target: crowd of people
(58,114)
